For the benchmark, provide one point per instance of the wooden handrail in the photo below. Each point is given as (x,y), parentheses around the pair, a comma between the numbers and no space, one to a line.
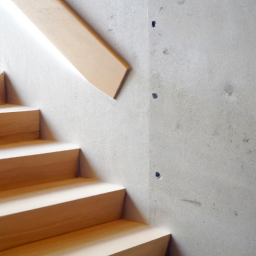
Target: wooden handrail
(78,42)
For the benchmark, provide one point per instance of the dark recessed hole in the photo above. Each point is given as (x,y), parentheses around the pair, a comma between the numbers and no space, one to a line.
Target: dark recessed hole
(154,95)
(153,24)
(158,175)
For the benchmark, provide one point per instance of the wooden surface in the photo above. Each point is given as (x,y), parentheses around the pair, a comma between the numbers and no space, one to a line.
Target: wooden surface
(38,161)
(119,238)
(32,214)
(2,89)
(95,60)
(37,196)
(18,123)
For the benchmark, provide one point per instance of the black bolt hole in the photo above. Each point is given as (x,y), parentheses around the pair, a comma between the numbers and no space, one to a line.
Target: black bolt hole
(158,175)
(153,24)
(154,95)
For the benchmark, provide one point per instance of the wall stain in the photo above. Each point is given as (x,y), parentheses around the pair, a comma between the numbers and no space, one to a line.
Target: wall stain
(236,213)
(245,140)
(229,89)
(192,202)
(181,2)
(165,51)
(178,126)
(215,133)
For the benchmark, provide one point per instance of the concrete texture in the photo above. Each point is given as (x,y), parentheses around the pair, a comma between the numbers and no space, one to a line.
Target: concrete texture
(202,125)
(198,132)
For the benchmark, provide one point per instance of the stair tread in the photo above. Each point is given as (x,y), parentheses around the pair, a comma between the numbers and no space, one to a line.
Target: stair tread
(43,195)
(106,239)
(9,108)
(33,147)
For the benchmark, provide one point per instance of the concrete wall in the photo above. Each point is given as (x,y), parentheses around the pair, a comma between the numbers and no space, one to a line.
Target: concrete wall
(199,134)
(202,125)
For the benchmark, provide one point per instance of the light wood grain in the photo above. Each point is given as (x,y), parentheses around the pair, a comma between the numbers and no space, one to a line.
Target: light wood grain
(33,197)
(95,60)
(18,123)
(18,137)
(38,161)
(48,210)
(2,89)
(119,238)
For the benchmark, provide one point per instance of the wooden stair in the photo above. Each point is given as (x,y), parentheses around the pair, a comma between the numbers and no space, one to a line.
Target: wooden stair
(119,238)
(38,161)
(46,209)
(18,123)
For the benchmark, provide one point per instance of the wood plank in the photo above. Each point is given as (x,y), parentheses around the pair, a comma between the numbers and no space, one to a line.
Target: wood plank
(37,212)
(18,137)
(18,123)
(76,40)
(2,89)
(119,238)
(38,161)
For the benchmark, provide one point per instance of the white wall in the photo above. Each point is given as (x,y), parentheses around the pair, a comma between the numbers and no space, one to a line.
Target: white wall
(199,134)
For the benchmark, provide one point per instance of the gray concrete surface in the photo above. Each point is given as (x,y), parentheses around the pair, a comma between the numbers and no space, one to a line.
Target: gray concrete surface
(202,125)
(199,133)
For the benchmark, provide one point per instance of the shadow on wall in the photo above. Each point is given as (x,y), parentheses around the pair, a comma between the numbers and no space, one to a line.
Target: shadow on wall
(132,211)
(11,93)
(173,249)
(129,209)
(86,170)
(45,131)
(124,81)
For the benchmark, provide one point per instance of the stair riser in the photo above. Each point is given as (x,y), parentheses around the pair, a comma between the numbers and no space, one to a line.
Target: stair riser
(19,137)
(35,169)
(34,225)
(2,90)
(19,126)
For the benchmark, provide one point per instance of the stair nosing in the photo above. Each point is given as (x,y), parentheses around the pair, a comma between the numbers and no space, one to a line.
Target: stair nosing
(19,200)
(13,108)
(34,147)
(131,235)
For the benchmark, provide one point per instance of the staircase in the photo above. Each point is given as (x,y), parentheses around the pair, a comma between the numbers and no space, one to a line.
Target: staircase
(46,209)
